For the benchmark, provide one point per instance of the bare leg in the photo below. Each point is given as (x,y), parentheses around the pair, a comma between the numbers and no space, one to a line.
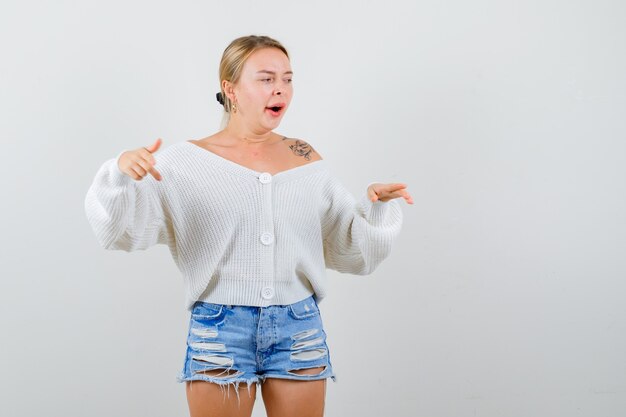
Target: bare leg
(289,398)
(207,399)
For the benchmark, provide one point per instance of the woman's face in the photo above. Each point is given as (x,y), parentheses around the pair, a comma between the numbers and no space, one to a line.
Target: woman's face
(265,82)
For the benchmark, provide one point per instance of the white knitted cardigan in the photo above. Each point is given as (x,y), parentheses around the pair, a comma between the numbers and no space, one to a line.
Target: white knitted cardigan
(239,236)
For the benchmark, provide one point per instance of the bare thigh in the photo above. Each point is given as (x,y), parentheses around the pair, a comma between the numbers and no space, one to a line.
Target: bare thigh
(288,398)
(207,399)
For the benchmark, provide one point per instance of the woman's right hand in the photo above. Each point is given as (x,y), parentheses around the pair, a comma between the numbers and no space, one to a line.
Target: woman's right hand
(140,162)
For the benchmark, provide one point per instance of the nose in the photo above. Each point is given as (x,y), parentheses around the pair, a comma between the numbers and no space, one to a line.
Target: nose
(278,89)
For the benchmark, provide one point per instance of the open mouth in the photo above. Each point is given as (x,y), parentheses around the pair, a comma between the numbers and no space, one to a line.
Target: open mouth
(275,110)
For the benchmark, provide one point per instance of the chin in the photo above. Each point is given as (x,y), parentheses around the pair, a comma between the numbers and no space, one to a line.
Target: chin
(270,124)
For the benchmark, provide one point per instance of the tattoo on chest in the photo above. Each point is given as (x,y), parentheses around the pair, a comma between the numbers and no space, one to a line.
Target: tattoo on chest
(302,148)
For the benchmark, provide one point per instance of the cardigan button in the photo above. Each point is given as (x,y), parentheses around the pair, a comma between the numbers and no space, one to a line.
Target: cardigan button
(265,178)
(267,293)
(267,238)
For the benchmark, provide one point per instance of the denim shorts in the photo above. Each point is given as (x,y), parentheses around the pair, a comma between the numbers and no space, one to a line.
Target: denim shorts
(249,344)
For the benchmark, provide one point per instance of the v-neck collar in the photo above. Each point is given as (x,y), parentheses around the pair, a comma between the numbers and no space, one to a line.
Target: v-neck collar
(232,166)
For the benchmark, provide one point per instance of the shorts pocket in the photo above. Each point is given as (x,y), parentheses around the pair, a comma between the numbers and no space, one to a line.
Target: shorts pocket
(304,309)
(202,310)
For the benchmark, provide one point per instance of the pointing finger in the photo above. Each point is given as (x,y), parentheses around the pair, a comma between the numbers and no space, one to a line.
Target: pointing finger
(407,197)
(156,174)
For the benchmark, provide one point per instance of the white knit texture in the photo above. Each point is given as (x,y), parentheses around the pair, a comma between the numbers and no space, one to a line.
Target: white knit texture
(239,236)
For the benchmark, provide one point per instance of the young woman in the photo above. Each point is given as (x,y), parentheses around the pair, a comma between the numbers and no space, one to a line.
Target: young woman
(252,219)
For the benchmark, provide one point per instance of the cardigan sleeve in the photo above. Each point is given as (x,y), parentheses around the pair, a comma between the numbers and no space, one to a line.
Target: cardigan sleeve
(124,213)
(358,234)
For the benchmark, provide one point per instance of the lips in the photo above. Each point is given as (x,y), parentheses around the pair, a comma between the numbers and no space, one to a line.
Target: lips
(275,109)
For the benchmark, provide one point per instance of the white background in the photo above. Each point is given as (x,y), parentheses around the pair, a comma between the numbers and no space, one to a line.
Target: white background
(504,294)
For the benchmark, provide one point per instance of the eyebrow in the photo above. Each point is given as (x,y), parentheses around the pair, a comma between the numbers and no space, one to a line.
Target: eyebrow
(272,72)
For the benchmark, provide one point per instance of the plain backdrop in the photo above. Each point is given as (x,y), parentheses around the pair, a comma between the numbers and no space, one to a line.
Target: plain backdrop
(504,293)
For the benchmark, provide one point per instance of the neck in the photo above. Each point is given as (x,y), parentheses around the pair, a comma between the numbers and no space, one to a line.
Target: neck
(246,135)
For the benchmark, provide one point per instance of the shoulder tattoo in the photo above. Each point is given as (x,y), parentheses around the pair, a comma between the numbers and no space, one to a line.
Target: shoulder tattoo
(301,148)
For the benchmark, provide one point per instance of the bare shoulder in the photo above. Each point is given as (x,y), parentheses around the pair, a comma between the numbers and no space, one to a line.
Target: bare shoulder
(302,149)
(207,141)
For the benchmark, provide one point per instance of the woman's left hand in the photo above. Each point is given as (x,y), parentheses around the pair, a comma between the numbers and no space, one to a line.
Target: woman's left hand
(386,192)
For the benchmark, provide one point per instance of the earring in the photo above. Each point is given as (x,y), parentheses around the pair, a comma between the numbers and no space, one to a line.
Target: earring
(234,108)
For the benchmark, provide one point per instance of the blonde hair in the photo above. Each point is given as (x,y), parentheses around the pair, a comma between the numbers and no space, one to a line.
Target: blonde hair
(233,59)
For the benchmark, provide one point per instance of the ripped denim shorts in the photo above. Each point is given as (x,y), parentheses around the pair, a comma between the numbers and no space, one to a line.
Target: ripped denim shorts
(234,344)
